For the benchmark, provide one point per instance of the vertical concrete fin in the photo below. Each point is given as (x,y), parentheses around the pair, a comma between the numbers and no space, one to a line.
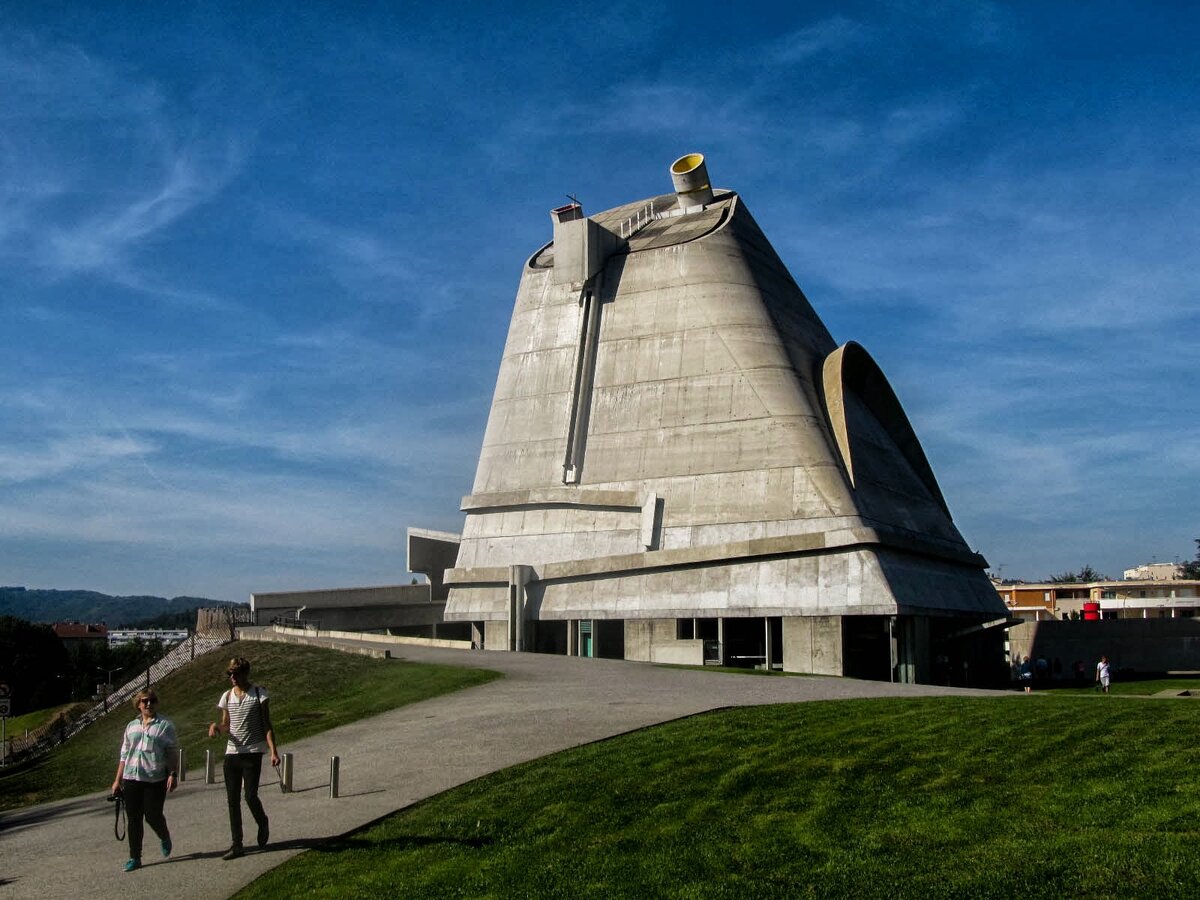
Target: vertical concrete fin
(581,390)
(651,519)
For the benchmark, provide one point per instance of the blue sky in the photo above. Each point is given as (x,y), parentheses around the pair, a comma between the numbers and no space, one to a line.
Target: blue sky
(257,260)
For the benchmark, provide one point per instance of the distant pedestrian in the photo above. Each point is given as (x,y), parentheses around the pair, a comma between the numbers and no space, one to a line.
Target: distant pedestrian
(246,718)
(1103,674)
(1027,675)
(145,774)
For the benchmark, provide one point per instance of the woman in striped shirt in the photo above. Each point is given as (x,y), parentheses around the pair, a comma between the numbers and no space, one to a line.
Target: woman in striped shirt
(145,773)
(246,718)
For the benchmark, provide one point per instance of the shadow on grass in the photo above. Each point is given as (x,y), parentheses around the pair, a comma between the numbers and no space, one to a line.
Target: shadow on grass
(400,843)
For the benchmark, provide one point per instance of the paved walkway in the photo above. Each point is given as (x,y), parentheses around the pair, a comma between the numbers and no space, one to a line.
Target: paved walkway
(542,705)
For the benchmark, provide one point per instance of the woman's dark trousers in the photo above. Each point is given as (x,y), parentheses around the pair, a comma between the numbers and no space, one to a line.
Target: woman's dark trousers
(144,800)
(243,769)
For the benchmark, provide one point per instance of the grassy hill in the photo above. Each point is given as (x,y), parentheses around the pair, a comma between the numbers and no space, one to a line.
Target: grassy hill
(311,690)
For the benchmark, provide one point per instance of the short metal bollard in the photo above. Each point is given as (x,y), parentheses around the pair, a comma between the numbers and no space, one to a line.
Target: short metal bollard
(334,765)
(180,765)
(210,768)
(285,772)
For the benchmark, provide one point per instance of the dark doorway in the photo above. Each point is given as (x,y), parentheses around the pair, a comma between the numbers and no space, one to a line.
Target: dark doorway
(709,631)
(549,637)
(745,643)
(968,655)
(866,648)
(610,638)
(775,626)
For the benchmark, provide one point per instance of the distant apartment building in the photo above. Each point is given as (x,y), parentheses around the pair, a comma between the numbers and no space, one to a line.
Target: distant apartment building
(1126,599)
(1153,572)
(168,636)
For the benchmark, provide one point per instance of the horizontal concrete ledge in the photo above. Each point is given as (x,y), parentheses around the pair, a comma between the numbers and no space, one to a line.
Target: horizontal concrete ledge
(571,497)
(730,552)
(275,638)
(445,643)
(732,612)
(432,535)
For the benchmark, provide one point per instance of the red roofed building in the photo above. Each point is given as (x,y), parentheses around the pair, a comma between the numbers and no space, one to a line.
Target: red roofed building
(75,635)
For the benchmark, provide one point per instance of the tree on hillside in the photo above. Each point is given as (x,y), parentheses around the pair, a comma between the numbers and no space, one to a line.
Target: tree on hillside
(34,663)
(1191,569)
(94,664)
(1083,576)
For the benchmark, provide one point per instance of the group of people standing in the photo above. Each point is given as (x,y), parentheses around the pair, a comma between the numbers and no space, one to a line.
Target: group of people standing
(1029,673)
(145,775)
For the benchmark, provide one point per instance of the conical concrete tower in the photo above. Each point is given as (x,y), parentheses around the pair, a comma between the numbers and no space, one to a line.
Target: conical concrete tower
(682,465)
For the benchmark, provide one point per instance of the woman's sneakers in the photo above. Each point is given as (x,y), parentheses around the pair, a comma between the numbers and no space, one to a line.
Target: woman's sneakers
(233,852)
(166,847)
(264,834)
(131,864)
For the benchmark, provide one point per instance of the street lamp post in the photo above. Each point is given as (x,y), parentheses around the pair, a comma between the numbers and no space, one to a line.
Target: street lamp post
(108,674)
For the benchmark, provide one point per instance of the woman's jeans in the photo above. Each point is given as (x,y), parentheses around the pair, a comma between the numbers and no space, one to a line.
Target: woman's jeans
(144,800)
(243,769)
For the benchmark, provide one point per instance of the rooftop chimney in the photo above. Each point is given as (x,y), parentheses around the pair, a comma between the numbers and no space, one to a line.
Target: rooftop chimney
(690,176)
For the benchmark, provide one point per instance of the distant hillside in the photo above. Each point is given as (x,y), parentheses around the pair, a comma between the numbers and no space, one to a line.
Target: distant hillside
(92,606)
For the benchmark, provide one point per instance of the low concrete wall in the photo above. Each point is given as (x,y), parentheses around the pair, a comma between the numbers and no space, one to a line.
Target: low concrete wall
(393,639)
(1144,645)
(679,653)
(653,640)
(273,637)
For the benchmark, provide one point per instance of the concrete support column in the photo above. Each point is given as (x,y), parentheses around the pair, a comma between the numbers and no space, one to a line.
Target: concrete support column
(518,577)
(812,645)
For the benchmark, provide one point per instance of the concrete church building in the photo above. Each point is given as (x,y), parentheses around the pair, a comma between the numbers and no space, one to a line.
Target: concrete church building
(681,465)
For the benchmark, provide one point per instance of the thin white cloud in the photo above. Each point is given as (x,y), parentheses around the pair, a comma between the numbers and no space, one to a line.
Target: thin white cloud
(825,37)
(356,255)
(98,209)
(102,242)
(68,453)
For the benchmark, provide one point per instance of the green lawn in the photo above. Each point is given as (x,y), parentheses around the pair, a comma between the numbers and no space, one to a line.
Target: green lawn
(1137,687)
(1049,796)
(311,690)
(15,727)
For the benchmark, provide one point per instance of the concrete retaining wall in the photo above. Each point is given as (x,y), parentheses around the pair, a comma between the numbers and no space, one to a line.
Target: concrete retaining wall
(1144,645)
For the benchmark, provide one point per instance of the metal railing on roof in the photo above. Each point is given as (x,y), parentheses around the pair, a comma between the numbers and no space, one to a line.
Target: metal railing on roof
(637,221)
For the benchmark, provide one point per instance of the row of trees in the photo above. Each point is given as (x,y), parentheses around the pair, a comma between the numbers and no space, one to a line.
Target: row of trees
(1190,570)
(1083,576)
(41,671)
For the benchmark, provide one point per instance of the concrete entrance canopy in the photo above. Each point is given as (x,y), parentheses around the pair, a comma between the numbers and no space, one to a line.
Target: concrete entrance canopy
(675,436)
